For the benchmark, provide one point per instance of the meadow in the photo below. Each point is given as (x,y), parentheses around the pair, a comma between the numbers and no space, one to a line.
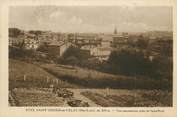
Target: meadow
(94,79)
(31,84)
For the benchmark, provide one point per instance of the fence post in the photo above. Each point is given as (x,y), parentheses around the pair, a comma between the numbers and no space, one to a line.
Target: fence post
(24,77)
(107,90)
(57,81)
(47,79)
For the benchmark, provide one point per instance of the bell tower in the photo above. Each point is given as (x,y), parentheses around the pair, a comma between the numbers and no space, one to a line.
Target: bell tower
(115,30)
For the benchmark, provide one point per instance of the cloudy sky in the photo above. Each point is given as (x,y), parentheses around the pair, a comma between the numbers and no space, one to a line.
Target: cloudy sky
(91,18)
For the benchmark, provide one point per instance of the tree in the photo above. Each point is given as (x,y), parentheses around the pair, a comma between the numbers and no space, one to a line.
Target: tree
(43,48)
(129,63)
(15,52)
(162,67)
(74,56)
(72,60)
(37,32)
(14,32)
(142,43)
(76,52)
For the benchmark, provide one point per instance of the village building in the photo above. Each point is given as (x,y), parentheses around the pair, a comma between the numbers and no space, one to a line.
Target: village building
(86,36)
(15,41)
(81,39)
(31,43)
(64,47)
(106,40)
(87,47)
(119,39)
(56,36)
(27,35)
(101,53)
(58,48)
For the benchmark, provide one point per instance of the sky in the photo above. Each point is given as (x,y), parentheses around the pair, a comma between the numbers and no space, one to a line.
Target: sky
(97,19)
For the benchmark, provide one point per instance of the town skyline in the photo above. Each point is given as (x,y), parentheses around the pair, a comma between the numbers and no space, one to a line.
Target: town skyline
(91,19)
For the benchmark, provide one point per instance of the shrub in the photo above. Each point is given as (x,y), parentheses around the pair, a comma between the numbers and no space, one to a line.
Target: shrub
(129,63)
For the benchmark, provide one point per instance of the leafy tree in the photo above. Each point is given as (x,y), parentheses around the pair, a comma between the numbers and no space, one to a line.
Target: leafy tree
(142,43)
(129,63)
(167,48)
(15,52)
(43,47)
(14,32)
(73,51)
(37,32)
(72,60)
(74,56)
(162,67)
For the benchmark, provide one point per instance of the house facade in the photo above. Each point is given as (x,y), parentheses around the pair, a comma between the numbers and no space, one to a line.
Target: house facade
(31,43)
(101,53)
(58,48)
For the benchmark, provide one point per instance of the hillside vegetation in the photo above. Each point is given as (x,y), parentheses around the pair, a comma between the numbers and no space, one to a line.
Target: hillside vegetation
(22,74)
(94,79)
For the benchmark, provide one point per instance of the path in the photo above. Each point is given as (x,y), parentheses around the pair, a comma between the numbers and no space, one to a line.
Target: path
(79,96)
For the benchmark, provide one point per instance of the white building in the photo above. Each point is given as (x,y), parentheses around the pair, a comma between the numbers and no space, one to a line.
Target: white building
(15,41)
(64,47)
(101,53)
(106,40)
(58,48)
(105,44)
(31,43)
(87,47)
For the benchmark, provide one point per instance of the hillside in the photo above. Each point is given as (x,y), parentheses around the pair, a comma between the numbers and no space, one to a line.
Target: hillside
(94,79)
(29,86)
(22,74)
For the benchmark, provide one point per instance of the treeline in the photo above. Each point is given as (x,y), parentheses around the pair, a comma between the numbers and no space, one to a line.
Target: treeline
(128,62)
(76,57)
(27,55)
(125,62)
(135,63)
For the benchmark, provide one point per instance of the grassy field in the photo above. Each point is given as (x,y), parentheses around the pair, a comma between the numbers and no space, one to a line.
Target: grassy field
(29,86)
(129,98)
(22,74)
(94,79)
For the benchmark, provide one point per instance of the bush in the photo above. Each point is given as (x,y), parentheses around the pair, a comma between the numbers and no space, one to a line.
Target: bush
(129,63)
(42,48)
(21,53)
(162,68)
(75,56)
(14,32)
(134,63)
(142,43)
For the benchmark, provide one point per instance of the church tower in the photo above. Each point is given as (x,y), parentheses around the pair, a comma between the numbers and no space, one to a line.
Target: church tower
(115,30)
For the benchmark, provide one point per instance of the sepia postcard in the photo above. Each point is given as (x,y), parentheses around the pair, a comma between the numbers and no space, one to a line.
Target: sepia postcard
(88,58)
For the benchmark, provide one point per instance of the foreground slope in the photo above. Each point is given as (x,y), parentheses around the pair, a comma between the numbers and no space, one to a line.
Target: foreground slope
(23,74)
